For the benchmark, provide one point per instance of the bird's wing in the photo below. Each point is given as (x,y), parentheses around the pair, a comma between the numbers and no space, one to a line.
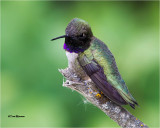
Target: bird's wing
(100,66)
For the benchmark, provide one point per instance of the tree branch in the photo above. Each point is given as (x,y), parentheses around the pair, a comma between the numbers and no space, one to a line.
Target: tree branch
(78,80)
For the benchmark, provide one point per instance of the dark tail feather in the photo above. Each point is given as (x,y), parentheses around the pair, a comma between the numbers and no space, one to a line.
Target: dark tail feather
(136,103)
(132,105)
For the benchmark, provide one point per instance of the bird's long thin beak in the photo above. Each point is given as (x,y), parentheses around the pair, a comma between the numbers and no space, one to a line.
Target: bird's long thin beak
(59,37)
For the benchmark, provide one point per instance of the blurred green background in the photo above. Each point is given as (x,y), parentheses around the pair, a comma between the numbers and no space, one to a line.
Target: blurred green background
(30,82)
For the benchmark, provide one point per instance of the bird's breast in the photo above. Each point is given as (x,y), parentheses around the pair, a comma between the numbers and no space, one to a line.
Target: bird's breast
(75,66)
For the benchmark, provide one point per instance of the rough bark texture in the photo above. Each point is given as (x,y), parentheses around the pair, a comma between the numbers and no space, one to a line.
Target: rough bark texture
(76,79)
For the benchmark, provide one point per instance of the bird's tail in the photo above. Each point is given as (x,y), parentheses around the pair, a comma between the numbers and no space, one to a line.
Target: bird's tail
(129,99)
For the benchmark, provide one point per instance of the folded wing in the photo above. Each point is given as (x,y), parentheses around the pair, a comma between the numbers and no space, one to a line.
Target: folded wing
(96,73)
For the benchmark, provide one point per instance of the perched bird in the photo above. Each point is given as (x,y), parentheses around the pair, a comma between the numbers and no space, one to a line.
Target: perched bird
(97,61)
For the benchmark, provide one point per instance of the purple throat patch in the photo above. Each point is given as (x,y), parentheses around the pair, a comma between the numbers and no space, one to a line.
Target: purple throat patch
(71,49)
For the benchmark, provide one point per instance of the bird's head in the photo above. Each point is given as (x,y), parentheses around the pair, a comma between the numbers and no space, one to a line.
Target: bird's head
(78,36)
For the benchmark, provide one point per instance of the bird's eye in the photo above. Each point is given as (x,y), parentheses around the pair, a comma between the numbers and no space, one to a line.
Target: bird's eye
(82,35)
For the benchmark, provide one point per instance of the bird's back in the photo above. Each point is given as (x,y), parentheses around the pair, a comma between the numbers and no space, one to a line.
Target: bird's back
(98,52)
(105,59)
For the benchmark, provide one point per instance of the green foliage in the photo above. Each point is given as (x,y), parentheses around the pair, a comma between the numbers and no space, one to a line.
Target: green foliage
(31,83)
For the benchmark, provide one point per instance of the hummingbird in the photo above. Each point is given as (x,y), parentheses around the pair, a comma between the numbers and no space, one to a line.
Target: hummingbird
(97,61)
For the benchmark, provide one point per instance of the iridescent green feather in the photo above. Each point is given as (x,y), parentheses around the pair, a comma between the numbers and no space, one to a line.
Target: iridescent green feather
(102,55)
